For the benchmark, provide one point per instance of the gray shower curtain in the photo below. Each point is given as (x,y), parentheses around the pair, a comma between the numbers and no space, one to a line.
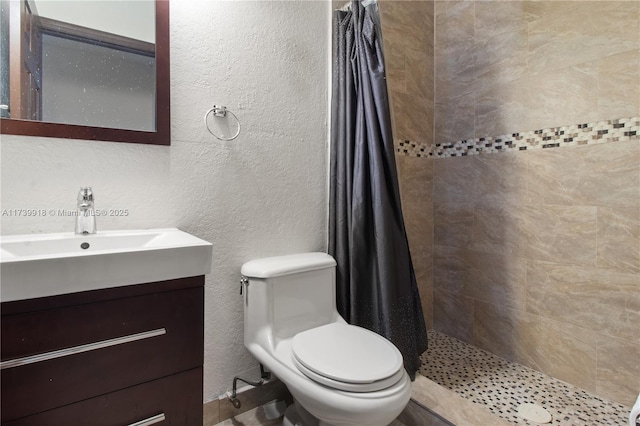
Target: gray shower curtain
(376,284)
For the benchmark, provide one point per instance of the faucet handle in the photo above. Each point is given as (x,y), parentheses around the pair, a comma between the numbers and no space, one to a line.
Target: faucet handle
(85,195)
(86,218)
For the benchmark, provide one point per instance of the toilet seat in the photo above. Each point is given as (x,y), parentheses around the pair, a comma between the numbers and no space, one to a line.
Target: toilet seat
(347,357)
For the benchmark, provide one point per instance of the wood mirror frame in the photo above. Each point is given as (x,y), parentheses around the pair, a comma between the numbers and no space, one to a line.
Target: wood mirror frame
(162,134)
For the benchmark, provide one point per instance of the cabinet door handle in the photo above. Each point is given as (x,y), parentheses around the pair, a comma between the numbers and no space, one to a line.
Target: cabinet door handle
(150,421)
(45,356)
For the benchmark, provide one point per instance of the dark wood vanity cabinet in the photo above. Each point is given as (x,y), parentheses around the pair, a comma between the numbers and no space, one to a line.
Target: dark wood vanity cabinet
(121,356)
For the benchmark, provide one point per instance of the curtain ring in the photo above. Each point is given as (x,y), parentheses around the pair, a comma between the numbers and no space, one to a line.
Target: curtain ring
(221,111)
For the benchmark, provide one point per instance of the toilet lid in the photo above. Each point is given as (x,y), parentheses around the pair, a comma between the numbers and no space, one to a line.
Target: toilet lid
(347,354)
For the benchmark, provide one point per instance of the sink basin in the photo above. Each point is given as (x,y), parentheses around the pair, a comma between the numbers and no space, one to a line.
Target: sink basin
(43,265)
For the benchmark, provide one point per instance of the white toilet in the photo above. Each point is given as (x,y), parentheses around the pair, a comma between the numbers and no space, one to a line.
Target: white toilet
(338,374)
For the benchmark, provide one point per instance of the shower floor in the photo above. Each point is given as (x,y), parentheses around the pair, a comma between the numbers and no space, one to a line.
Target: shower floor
(501,386)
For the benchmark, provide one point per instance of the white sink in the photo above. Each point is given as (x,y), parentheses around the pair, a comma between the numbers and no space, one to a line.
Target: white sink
(42,265)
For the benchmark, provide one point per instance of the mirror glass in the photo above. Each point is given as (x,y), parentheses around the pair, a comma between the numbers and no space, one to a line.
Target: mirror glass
(80,63)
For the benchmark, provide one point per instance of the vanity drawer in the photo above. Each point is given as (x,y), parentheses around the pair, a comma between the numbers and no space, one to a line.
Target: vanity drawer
(138,339)
(178,398)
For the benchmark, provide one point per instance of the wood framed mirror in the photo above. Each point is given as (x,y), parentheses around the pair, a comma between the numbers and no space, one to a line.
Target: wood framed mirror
(32,106)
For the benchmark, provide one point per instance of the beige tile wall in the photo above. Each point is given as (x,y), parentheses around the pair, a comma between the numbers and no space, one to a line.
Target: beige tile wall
(407,28)
(537,259)
(537,254)
(416,191)
(512,66)
(533,256)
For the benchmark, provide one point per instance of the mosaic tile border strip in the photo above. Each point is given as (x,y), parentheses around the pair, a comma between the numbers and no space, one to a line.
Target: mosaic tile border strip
(622,129)
(501,386)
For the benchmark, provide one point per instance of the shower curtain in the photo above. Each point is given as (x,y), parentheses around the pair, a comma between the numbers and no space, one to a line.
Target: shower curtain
(376,284)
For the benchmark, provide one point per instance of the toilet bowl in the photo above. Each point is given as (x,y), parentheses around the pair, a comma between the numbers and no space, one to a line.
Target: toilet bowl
(338,374)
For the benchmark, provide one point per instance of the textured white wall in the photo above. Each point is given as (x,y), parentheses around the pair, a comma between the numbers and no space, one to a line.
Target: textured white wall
(263,194)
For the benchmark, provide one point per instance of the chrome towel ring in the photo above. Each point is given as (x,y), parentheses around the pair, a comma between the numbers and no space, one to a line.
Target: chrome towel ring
(221,112)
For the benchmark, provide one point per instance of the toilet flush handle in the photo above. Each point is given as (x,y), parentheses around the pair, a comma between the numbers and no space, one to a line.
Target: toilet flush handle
(244,282)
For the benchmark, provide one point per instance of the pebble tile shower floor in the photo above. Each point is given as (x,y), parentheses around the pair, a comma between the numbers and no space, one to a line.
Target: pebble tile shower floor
(501,386)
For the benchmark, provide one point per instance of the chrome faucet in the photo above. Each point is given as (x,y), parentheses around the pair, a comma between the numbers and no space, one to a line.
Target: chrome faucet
(86,217)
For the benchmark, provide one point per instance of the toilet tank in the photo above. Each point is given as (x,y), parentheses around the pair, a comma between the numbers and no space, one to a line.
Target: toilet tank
(288,294)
